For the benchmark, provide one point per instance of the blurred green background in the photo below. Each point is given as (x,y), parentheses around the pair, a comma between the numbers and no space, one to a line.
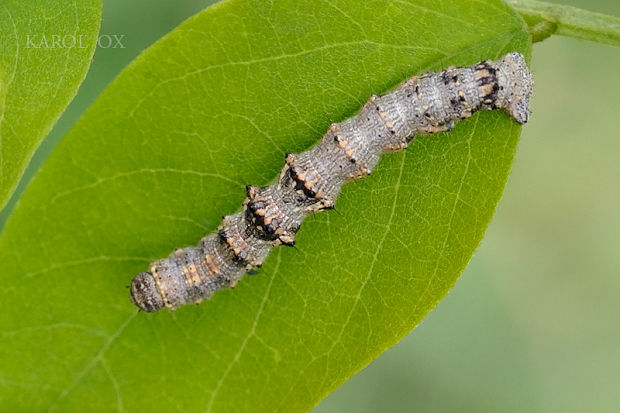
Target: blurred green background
(534,322)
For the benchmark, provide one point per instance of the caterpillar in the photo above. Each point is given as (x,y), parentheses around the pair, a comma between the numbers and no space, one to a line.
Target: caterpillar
(310,181)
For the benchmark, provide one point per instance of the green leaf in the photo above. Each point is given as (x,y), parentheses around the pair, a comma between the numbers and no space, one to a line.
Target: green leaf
(45,50)
(167,150)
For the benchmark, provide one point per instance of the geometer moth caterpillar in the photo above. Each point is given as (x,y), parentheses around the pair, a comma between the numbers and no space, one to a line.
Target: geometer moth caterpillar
(311,181)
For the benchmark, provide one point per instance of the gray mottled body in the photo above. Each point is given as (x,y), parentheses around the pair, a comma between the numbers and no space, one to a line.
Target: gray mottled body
(311,181)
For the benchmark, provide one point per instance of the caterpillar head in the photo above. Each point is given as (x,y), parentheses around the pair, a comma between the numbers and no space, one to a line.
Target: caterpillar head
(145,294)
(517,84)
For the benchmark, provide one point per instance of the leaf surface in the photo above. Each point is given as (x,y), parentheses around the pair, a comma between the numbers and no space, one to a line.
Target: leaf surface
(167,150)
(45,50)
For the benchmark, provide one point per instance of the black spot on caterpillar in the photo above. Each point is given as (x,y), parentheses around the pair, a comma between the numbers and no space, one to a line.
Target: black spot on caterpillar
(311,181)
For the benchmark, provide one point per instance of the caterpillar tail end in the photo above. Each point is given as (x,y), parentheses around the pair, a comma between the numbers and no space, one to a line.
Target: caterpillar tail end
(145,294)
(519,78)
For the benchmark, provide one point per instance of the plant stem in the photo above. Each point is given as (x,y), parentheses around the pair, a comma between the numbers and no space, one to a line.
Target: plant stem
(545,19)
